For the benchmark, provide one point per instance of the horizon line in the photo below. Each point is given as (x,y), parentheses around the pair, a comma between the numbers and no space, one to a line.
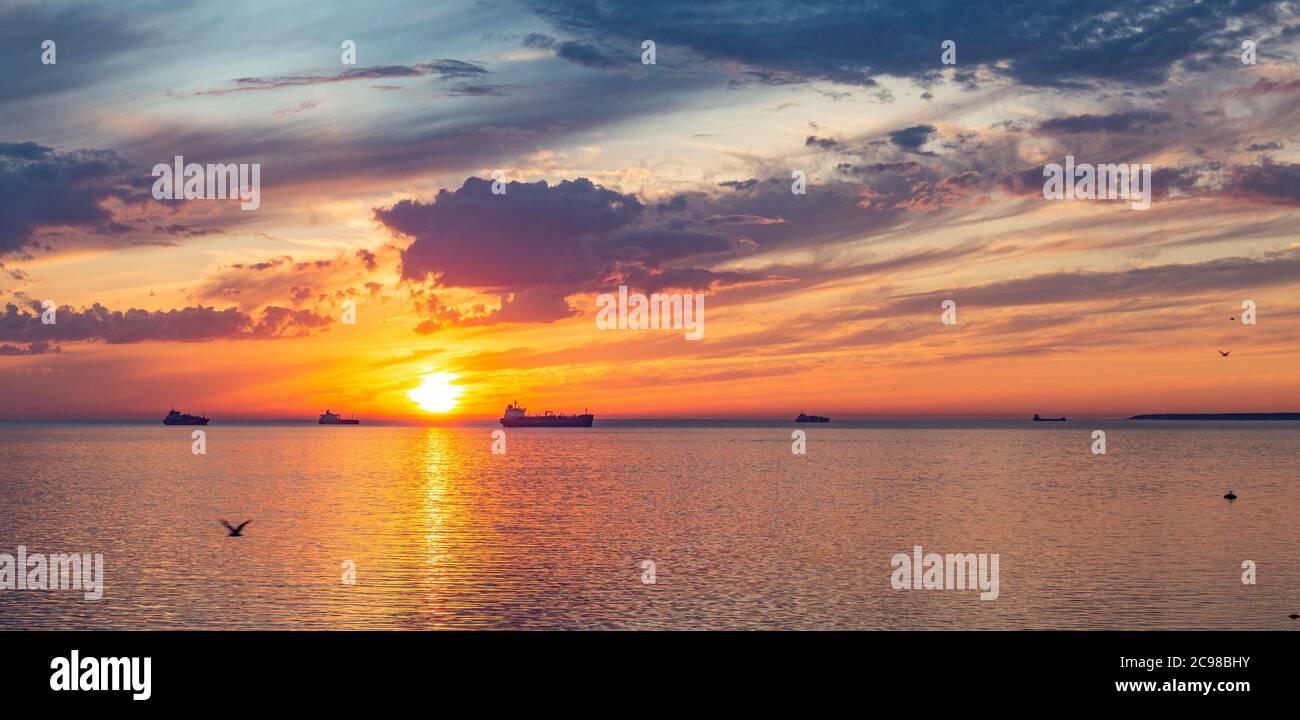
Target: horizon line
(470,419)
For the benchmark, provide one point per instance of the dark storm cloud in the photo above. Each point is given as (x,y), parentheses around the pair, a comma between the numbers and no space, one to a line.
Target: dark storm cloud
(441,69)
(99,324)
(43,188)
(1037,42)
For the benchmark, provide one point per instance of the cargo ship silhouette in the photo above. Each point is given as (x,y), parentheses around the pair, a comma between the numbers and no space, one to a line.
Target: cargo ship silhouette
(329,418)
(180,418)
(1043,419)
(517,416)
(811,418)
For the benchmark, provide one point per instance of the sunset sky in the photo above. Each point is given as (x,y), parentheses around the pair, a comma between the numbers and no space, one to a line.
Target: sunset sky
(924,183)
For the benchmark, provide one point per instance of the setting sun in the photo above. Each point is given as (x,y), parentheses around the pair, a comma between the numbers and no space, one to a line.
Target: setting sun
(436,393)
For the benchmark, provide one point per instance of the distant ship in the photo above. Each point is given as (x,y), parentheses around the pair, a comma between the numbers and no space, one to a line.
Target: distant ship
(180,418)
(329,418)
(517,416)
(811,418)
(1043,419)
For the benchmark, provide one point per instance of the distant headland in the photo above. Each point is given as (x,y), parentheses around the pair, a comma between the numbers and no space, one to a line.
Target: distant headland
(1220,416)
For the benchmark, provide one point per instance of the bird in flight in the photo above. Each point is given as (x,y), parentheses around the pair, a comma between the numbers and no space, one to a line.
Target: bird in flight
(1225,354)
(236,531)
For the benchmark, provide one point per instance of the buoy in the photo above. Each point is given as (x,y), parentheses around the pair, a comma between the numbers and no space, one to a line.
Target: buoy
(1229,496)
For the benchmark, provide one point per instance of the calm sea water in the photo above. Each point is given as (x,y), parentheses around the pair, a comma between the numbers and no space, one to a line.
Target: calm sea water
(743,534)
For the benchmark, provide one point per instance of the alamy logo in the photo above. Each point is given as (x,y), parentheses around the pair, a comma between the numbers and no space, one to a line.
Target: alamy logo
(106,673)
(661,311)
(1099,182)
(215,181)
(60,571)
(953,571)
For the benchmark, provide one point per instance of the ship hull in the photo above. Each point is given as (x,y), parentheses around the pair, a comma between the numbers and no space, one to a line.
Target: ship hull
(193,421)
(549,422)
(340,422)
(812,420)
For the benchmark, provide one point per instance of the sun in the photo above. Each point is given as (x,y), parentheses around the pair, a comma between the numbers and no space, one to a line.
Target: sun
(436,393)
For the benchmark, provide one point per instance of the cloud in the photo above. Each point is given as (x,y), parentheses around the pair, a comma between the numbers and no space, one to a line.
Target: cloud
(585,54)
(539,243)
(1173,280)
(1269,182)
(91,40)
(423,140)
(1052,43)
(43,188)
(191,324)
(467,89)
(441,69)
(303,106)
(823,143)
(911,139)
(1120,122)
(36,348)
(319,283)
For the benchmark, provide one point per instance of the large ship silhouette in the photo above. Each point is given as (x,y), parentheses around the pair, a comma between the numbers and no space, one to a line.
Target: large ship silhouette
(180,418)
(517,416)
(329,418)
(805,418)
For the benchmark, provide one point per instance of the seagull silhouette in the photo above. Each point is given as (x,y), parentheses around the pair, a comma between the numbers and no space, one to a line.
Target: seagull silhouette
(1225,354)
(236,531)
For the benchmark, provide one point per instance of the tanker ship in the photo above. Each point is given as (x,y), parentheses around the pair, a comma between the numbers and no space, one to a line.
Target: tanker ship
(180,418)
(517,416)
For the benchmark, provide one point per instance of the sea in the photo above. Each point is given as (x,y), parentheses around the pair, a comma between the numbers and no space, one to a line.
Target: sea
(656,525)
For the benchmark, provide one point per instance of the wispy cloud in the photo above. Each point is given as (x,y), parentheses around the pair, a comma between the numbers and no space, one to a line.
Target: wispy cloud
(442,69)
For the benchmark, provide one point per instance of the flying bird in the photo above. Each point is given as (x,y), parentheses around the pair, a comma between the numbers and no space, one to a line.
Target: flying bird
(236,531)
(1225,354)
